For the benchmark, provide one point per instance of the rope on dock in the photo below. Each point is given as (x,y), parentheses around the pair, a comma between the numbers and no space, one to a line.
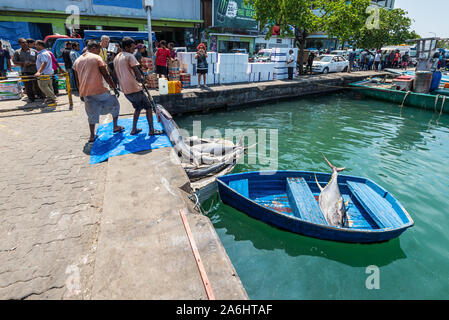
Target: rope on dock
(442,105)
(198,260)
(405,98)
(436,102)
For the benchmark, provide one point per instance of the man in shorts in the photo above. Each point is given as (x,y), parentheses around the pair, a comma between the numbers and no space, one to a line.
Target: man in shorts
(90,70)
(126,68)
(162,57)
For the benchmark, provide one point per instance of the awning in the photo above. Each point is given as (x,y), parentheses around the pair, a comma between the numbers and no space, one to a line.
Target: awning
(116,35)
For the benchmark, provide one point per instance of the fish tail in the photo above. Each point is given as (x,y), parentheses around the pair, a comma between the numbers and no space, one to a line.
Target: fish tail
(332,166)
(319,186)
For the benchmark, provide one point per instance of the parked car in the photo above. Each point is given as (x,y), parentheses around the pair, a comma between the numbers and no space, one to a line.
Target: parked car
(330,63)
(180,49)
(343,53)
(239,51)
(264,55)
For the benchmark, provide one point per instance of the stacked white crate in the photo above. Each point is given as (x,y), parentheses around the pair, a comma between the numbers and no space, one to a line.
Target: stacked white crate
(260,71)
(231,68)
(225,68)
(212,76)
(279,57)
(189,65)
(240,68)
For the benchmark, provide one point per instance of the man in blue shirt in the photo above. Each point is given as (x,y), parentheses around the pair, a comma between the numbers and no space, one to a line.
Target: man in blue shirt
(45,72)
(4,55)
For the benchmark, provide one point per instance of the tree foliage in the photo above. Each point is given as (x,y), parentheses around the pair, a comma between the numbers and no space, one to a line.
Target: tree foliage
(343,19)
(394,29)
(348,21)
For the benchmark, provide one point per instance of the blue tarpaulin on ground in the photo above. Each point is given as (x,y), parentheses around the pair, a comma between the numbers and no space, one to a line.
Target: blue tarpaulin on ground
(12,31)
(109,144)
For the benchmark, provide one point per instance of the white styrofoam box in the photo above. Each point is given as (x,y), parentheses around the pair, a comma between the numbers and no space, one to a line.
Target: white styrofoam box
(226,68)
(261,67)
(279,57)
(225,78)
(194,81)
(187,57)
(281,54)
(210,78)
(278,65)
(266,76)
(239,77)
(281,70)
(280,76)
(212,68)
(189,68)
(212,57)
(241,58)
(226,58)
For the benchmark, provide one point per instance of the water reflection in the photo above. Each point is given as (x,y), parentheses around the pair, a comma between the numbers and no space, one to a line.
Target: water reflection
(265,237)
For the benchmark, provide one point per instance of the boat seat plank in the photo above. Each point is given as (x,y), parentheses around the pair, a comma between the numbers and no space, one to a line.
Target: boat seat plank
(303,202)
(240,186)
(375,205)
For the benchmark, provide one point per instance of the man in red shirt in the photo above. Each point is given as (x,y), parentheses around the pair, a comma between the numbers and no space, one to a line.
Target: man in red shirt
(162,57)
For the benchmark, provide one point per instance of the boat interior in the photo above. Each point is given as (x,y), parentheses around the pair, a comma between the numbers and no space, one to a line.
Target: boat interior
(369,207)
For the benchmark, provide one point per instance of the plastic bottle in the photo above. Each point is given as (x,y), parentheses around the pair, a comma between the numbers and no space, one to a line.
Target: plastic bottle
(163,86)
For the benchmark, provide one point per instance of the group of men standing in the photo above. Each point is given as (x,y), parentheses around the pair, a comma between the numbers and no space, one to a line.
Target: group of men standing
(91,72)
(38,66)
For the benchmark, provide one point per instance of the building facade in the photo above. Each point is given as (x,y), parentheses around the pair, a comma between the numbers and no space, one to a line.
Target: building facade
(49,17)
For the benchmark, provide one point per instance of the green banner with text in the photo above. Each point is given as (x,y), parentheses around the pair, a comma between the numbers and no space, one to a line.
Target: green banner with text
(234,14)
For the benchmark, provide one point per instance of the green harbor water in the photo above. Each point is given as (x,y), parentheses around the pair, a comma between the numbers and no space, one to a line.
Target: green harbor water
(404,150)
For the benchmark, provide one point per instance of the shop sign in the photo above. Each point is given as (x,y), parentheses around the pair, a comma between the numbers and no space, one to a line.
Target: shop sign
(234,14)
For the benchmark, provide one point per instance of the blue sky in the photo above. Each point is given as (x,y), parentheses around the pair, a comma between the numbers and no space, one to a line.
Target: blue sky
(430,16)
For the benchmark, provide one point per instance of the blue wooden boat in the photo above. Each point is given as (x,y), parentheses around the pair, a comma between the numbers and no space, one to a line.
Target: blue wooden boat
(289,200)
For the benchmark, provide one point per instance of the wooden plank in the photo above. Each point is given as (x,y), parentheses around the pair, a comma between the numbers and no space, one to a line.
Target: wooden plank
(376,206)
(198,260)
(303,202)
(241,186)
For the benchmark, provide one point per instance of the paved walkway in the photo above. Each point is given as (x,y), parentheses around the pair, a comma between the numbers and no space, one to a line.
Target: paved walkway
(50,204)
(51,211)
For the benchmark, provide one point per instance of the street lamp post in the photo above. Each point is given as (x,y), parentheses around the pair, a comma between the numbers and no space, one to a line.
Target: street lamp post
(149,4)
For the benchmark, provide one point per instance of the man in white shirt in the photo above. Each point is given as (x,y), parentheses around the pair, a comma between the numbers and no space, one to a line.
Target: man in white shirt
(291,64)
(45,72)
(377,60)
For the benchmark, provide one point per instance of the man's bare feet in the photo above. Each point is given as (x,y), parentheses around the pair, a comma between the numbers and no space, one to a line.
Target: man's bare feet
(92,139)
(155,132)
(135,132)
(118,129)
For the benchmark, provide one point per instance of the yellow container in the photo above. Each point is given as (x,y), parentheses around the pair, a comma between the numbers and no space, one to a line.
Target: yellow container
(171,87)
(178,86)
